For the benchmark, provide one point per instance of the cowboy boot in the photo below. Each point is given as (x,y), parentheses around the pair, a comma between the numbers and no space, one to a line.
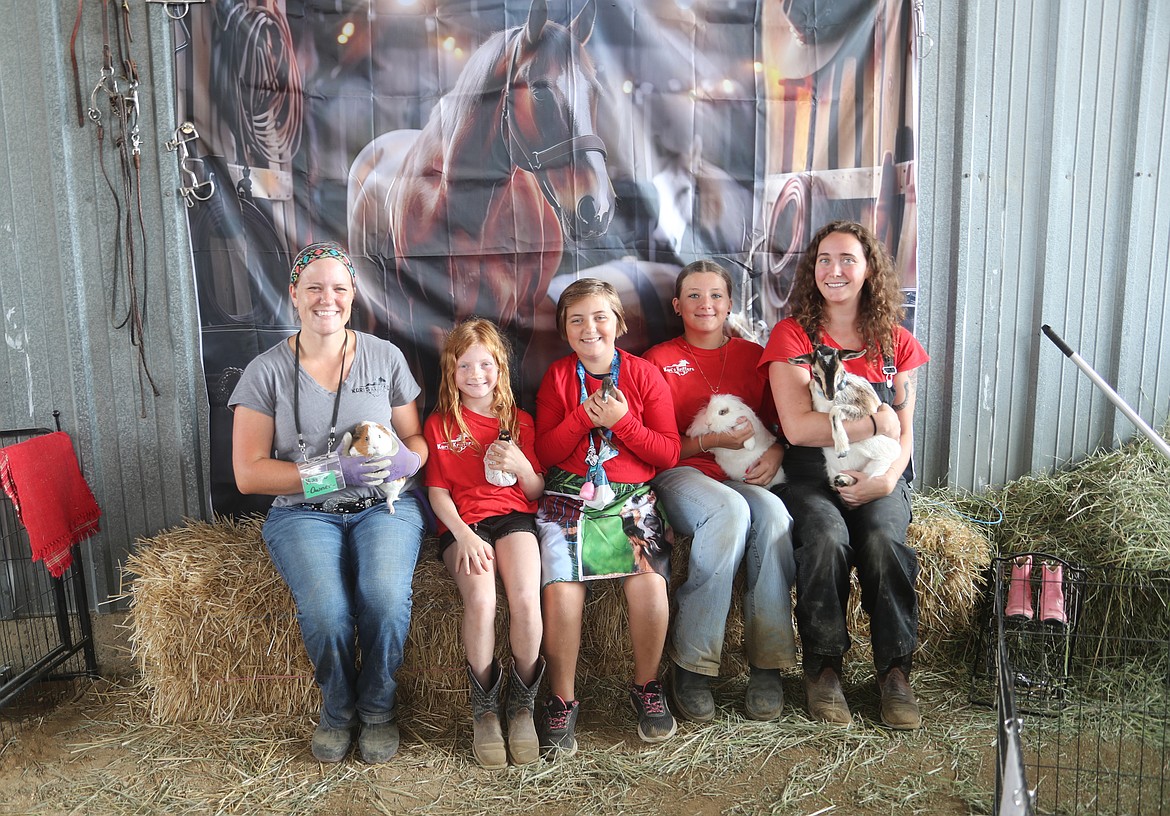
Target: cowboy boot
(487,742)
(523,743)
(1019,600)
(1052,594)
(822,688)
(899,707)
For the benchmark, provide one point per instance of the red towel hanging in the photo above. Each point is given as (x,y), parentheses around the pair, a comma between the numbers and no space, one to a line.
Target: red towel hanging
(52,499)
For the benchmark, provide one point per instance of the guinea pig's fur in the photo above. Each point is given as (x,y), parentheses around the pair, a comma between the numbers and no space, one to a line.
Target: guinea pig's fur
(719,415)
(375,439)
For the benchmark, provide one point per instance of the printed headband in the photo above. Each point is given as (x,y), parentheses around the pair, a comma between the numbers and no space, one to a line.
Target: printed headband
(315,252)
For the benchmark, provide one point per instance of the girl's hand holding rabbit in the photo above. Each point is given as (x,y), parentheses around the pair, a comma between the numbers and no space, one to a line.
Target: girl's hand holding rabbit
(509,457)
(605,413)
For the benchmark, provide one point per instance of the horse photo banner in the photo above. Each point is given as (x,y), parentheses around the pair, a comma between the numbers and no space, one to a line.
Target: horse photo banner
(477,156)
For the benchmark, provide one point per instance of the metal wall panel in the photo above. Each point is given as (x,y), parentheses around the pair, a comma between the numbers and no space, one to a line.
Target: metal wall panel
(1044,177)
(57,227)
(1045,144)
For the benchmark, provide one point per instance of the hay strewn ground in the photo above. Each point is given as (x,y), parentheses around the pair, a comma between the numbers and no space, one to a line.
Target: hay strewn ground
(119,763)
(130,757)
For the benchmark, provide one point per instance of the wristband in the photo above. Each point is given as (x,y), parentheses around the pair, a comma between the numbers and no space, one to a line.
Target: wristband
(874,423)
(704,450)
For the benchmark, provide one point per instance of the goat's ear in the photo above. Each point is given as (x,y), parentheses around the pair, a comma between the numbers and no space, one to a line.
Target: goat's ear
(850,354)
(804,359)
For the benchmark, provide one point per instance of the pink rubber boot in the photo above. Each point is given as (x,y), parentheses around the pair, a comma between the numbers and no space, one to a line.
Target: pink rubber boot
(1052,594)
(1019,599)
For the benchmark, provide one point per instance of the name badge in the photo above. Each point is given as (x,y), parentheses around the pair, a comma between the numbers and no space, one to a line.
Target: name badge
(321,475)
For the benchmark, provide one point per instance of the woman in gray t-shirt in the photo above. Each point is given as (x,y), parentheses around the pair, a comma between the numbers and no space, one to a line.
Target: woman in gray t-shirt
(346,556)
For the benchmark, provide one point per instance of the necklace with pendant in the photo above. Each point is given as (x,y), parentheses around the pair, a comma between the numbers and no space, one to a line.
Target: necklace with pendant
(722,367)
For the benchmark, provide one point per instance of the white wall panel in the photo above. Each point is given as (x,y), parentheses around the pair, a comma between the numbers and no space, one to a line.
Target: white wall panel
(1044,146)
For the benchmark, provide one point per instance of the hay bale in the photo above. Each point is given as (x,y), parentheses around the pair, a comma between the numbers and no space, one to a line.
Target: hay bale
(432,683)
(214,632)
(1109,509)
(213,627)
(954,552)
(1110,513)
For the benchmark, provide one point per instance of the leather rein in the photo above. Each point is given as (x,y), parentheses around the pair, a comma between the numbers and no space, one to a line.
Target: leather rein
(119,88)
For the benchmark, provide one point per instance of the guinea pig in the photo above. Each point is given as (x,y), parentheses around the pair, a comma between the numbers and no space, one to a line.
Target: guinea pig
(720,414)
(375,439)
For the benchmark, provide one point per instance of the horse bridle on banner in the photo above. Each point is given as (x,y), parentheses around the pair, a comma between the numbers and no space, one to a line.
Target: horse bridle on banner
(535,161)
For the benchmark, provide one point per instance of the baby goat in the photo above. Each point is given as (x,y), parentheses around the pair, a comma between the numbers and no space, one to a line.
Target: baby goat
(844,396)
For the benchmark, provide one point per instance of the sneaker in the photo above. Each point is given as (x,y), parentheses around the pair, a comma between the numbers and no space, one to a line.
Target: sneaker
(692,695)
(378,742)
(331,744)
(764,699)
(558,726)
(655,722)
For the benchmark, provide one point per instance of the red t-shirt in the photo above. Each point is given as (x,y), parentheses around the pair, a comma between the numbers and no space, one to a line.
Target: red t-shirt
(789,340)
(646,437)
(694,374)
(456,466)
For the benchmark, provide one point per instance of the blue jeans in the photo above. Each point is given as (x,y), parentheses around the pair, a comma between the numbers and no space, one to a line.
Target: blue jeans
(350,571)
(830,540)
(730,522)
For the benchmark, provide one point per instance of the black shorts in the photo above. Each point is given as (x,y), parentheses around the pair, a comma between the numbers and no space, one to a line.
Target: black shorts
(493,528)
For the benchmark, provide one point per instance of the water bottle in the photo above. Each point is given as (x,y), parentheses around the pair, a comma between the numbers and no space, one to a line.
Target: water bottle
(500,478)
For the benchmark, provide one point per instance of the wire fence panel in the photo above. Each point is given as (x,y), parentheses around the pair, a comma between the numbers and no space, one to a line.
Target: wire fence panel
(1083,653)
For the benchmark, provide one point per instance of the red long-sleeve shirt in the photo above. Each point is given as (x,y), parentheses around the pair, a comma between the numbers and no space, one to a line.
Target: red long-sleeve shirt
(646,437)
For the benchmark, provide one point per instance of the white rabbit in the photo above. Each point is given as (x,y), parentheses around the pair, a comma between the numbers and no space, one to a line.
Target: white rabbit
(720,414)
(375,439)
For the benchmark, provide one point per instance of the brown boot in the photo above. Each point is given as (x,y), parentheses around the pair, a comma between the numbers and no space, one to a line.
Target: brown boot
(826,700)
(487,741)
(523,743)
(899,708)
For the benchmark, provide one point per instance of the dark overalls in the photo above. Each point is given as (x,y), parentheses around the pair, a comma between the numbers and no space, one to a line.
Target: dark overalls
(829,539)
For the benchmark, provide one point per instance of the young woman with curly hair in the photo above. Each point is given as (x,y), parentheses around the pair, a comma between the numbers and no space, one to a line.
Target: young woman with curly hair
(847,296)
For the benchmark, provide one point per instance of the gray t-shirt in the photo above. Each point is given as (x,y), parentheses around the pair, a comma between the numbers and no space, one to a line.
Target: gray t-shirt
(379,380)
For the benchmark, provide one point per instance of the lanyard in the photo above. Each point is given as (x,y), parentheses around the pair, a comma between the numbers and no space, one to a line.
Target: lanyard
(297,398)
(592,457)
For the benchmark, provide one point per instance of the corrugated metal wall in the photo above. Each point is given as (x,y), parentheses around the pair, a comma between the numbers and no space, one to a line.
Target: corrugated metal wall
(57,286)
(1045,156)
(1045,146)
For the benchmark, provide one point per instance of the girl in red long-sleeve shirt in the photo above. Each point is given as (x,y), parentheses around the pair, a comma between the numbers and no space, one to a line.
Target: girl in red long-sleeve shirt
(604,427)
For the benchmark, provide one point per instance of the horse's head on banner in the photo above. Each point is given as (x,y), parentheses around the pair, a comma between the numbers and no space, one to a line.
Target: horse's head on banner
(547,115)
(470,215)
